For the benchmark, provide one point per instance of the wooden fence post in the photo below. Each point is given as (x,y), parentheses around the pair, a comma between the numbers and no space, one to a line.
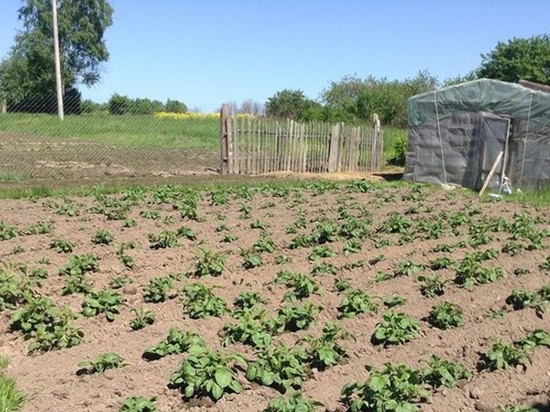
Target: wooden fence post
(334,148)
(224,140)
(352,158)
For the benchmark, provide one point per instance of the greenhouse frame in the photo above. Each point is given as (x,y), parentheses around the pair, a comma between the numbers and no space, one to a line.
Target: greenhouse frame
(458,134)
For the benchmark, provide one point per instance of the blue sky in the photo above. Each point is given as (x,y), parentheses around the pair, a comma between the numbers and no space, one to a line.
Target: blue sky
(205,52)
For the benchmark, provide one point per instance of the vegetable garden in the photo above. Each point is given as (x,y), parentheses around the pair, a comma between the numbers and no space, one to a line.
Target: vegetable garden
(322,296)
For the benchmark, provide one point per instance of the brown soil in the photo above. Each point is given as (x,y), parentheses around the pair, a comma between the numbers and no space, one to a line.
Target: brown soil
(27,157)
(50,379)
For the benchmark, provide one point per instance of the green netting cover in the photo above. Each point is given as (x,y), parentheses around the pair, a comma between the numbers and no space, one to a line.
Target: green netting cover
(456,133)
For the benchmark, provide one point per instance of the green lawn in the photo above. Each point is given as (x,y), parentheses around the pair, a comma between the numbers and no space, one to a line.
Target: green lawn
(140,131)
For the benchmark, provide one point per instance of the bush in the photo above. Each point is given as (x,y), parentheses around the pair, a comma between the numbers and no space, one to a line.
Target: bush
(398,152)
(119,105)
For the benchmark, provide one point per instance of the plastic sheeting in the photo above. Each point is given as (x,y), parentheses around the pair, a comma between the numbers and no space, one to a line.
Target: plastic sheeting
(456,133)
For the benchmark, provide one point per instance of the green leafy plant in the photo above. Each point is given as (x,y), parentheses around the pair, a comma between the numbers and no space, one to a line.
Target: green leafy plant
(326,350)
(158,289)
(229,238)
(442,263)
(352,246)
(394,300)
(324,268)
(354,302)
(280,366)
(294,403)
(470,272)
(104,301)
(102,237)
(138,404)
(101,363)
(396,387)
(252,328)
(40,228)
(186,232)
(7,232)
(142,318)
(208,373)
(518,408)
(264,244)
(440,372)
(407,268)
(209,263)
(302,285)
(341,284)
(80,264)
(395,329)
(177,341)
(321,251)
(251,259)
(432,286)
(163,240)
(295,317)
(521,299)
(119,282)
(201,302)
(502,356)
(248,300)
(446,316)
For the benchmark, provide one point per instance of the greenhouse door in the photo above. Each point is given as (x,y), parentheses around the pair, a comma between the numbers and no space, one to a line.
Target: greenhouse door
(495,131)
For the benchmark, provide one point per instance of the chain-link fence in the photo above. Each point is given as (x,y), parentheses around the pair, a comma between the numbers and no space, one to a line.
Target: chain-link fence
(36,147)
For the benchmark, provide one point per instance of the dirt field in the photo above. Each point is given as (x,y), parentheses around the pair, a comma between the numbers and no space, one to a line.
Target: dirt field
(399,223)
(37,158)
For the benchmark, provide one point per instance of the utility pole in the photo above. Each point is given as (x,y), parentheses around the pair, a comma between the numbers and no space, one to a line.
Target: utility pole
(59,85)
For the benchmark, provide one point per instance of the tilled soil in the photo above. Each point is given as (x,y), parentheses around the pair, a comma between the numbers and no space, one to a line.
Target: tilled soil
(52,384)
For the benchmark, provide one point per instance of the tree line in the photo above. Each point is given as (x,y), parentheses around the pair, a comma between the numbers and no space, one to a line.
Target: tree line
(27,81)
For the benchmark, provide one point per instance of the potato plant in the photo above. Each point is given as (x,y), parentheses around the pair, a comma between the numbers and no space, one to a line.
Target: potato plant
(101,363)
(394,387)
(104,301)
(395,329)
(177,341)
(201,302)
(280,367)
(139,404)
(208,373)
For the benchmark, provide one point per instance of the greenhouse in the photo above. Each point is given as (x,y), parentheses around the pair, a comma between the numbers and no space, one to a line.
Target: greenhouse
(459,134)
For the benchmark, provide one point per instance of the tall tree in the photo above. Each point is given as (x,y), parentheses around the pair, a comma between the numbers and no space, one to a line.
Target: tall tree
(29,68)
(527,59)
(287,104)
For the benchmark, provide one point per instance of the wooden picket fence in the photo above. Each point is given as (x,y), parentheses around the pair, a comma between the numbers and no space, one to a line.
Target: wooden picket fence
(258,145)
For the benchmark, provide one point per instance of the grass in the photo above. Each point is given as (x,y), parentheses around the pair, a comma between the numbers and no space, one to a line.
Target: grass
(127,130)
(530,197)
(136,130)
(11,400)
